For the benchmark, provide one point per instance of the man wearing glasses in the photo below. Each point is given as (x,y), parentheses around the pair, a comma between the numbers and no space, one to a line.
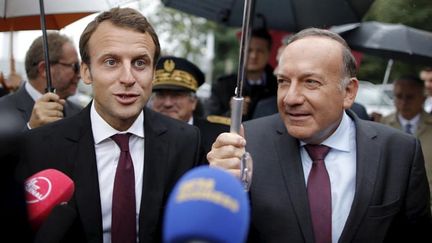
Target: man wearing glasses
(31,106)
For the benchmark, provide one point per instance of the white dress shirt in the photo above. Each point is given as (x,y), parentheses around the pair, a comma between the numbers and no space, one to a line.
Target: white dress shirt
(34,93)
(428,104)
(107,157)
(341,167)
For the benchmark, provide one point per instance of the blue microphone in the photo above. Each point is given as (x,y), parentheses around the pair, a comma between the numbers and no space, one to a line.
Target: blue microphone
(207,205)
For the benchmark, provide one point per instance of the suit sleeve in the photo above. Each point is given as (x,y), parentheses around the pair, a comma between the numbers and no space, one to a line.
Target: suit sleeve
(417,207)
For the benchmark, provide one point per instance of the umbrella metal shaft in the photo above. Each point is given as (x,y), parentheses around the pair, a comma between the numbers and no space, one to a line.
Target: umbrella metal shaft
(49,87)
(237,103)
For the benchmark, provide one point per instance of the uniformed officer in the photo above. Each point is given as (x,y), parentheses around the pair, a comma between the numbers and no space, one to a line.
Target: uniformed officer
(174,94)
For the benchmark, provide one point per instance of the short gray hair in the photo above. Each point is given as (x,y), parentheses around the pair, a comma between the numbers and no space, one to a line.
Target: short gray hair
(349,63)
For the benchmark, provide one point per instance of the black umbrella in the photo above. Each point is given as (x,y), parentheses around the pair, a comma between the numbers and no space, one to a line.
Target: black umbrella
(288,15)
(391,41)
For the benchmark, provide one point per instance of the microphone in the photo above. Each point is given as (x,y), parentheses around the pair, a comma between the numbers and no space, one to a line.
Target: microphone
(44,191)
(207,205)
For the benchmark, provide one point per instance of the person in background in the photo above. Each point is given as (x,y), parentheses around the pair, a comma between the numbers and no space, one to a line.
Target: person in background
(409,96)
(174,94)
(30,106)
(321,174)
(123,158)
(426,76)
(260,82)
(10,84)
(3,90)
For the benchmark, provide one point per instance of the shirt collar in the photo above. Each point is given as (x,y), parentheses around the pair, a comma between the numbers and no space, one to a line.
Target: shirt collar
(340,139)
(102,130)
(191,120)
(413,121)
(34,93)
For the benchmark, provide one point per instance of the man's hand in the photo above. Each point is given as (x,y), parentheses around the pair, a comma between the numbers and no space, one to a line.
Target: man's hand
(226,152)
(376,116)
(47,109)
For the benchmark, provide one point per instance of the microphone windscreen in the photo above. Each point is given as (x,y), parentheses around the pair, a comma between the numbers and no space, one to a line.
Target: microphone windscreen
(207,205)
(45,190)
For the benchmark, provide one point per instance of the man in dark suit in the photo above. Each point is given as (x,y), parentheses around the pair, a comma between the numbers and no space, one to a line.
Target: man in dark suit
(174,94)
(119,50)
(369,189)
(259,82)
(30,106)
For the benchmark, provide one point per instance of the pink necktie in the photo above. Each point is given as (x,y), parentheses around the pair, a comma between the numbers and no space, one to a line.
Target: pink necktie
(319,194)
(123,225)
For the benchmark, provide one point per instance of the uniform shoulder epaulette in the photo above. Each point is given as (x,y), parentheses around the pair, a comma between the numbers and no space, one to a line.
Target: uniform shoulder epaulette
(219,119)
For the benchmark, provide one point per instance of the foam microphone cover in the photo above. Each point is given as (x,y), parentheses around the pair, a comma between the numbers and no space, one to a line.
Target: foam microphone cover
(207,205)
(45,190)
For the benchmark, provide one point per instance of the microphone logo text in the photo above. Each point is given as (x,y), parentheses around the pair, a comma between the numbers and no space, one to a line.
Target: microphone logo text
(203,189)
(37,189)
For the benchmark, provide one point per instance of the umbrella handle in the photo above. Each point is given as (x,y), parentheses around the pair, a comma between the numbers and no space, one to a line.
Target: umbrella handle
(236,114)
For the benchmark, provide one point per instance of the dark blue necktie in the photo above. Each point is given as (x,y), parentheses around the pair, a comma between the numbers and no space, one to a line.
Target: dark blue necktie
(408,128)
(123,225)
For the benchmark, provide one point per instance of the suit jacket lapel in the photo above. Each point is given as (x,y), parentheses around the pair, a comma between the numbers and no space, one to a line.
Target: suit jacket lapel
(368,154)
(85,176)
(292,170)
(24,103)
(153,180)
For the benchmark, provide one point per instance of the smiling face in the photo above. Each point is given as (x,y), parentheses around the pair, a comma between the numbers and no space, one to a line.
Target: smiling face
(311,99)
(121,72)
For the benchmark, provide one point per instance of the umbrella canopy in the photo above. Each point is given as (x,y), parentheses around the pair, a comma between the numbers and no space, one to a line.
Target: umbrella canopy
(288,15)
(25,14)
(391,41)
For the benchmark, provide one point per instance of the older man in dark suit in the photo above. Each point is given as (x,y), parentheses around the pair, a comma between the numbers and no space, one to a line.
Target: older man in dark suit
(30,106)
(119,50)
(320,173)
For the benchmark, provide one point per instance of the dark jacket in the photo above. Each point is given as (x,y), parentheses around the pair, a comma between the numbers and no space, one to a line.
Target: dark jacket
(223,89)
(391,201)
(171,148)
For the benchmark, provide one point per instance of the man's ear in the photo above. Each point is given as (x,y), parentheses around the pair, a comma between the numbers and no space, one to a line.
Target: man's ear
(85,73)
(41,69)
(351,92)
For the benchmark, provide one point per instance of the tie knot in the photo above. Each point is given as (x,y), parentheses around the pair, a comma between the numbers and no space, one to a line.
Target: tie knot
(122,140)
(408,127)
(317,152)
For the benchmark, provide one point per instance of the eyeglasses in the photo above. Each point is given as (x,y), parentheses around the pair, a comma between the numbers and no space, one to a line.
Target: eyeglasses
(75,66)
